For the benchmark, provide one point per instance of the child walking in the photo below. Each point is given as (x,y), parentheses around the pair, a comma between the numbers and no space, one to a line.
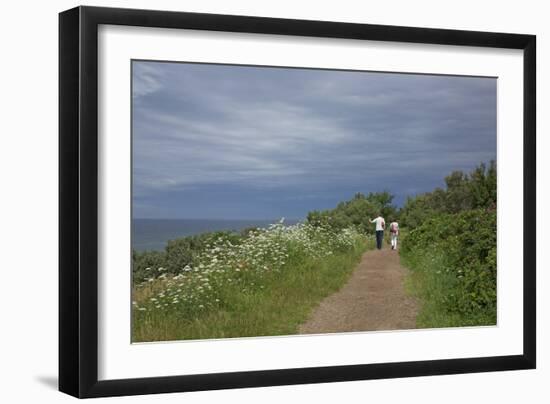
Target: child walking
(394,232)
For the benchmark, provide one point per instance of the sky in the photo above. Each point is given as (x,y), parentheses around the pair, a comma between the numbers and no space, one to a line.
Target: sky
(241,142)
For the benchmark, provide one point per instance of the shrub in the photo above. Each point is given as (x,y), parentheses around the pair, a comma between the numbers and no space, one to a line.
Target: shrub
(476,190)
(453,263)
(176,256)
(146,265)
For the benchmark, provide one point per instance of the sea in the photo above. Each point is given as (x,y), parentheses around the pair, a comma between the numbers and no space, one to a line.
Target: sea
(153,234)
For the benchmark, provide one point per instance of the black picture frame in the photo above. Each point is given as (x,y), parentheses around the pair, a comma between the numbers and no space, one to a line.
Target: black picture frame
(78,201)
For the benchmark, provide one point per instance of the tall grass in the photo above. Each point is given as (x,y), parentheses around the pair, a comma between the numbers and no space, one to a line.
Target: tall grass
(265,284)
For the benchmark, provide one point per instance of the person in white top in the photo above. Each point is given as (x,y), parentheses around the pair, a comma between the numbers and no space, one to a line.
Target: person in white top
(394,232)
(380,226)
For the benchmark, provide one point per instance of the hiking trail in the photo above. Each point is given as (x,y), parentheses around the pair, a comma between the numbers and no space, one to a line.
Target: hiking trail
(373,299)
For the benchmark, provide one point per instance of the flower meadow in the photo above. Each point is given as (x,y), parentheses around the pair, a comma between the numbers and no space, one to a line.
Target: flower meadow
(263,282)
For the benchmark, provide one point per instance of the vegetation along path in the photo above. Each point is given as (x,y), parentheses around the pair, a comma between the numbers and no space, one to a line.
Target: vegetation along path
(373,299)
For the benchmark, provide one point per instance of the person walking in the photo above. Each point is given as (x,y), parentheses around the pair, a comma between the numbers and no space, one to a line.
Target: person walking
(380,226)
(394,232)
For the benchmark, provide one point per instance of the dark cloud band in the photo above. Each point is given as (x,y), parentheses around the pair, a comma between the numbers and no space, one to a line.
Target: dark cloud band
(299,138)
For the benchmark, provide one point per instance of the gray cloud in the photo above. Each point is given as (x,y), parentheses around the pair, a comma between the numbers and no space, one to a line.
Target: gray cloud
(303,132)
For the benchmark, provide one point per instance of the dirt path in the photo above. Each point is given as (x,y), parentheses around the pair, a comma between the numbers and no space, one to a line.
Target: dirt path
(372,299)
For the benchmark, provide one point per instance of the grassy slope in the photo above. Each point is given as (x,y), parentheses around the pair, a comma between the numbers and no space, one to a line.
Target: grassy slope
(284,302)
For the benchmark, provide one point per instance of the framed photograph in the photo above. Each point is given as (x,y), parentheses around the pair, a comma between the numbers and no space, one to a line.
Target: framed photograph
(249,201)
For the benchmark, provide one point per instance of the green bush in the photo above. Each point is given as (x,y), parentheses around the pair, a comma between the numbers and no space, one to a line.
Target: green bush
(476,190)
(453,262)
(176,256)
(146,265)
(185,251)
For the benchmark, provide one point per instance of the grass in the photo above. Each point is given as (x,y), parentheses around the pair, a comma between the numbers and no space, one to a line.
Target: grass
(274,304)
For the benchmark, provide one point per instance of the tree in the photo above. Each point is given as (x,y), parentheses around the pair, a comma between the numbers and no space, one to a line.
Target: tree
(463,192)
(356,212)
